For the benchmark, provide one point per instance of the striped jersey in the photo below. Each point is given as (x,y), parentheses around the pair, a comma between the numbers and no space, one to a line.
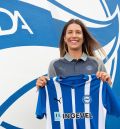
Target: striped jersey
(76,102)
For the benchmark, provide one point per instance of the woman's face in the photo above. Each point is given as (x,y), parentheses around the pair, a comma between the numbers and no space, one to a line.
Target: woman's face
(74,37)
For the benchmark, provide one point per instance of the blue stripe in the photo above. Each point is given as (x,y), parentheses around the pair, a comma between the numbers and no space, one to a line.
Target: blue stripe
(112,67)
(104,7)
(16,96)
(79,93)
(67,105)
(41,104)
(94,105)
(77,14)
(53,103)
(116,29)
(8,126)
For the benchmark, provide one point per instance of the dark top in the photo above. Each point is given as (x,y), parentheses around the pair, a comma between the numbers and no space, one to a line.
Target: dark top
(67,66)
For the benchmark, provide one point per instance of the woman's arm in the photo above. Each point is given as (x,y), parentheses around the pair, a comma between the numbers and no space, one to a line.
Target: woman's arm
(102,73)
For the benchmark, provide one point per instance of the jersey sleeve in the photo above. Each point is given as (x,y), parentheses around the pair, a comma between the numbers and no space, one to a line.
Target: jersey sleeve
(111,101)
(41,103)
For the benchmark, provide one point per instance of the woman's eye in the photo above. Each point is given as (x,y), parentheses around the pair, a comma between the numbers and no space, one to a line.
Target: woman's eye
(69,32)
(78,32)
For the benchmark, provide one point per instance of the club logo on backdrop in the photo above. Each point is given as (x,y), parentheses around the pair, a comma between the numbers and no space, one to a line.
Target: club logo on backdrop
(14,18)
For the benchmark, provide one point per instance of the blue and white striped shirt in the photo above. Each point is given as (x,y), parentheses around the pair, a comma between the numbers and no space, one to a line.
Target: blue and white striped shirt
(76,102)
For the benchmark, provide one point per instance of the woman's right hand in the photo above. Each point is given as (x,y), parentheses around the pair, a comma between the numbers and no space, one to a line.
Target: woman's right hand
(41,81)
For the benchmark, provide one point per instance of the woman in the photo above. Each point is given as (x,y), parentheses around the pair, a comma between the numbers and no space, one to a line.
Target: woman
(77,55)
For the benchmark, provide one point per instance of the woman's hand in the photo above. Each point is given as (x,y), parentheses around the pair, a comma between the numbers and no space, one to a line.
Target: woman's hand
(104,77)
(41,81)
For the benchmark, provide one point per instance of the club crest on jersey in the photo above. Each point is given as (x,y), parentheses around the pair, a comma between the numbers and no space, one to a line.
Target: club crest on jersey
(86,99)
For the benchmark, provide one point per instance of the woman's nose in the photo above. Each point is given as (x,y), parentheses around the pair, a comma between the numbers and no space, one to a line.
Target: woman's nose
(73,34)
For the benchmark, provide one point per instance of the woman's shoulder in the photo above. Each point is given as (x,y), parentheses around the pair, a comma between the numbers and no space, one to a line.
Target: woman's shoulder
(97,59)
(101,66)
(51,68)
(56,60)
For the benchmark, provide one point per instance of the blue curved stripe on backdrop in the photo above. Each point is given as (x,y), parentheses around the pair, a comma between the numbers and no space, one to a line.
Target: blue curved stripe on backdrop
(101,1)
(46,29)
(99,33)
(8,126)
(113,122)
(103,34)
(77,14)
(16,96)
(111,5)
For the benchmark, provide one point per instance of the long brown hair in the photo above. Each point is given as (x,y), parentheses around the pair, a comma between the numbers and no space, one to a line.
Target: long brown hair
(89,44)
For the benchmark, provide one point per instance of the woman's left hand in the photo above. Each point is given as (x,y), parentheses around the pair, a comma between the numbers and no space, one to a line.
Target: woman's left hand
(104,77)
